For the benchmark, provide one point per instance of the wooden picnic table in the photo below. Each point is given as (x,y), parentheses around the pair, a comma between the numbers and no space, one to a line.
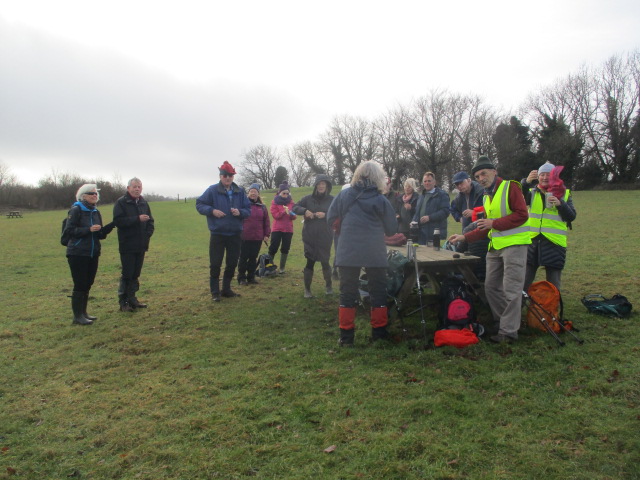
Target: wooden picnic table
(14,214)
(435,265)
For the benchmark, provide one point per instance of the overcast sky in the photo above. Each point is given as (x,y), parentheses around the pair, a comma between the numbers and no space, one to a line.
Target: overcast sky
(167,91)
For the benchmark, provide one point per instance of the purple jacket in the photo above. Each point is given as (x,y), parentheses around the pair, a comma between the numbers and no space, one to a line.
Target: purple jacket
(256,226)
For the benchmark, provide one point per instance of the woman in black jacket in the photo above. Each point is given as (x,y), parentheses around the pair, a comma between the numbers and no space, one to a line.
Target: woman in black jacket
(317,236)
(84,227)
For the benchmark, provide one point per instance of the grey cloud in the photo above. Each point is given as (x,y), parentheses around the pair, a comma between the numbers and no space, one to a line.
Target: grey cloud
(89,111)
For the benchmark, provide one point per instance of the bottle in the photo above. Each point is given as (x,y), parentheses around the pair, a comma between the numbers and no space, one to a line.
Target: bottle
(436,239)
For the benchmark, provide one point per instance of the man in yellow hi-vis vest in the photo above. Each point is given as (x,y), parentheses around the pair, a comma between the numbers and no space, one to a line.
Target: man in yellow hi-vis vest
(506,226)
(549,219)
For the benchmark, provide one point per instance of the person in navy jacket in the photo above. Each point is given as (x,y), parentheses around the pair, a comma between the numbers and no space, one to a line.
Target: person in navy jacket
(366,216)
(225,205)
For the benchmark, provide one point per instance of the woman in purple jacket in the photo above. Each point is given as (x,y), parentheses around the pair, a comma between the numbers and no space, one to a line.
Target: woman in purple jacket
(256,229)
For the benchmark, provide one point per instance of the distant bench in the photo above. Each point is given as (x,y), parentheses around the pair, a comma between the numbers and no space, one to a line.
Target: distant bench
(14,214)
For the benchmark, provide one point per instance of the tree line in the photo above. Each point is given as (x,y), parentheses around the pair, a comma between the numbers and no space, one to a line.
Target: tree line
(56,190)
(588,122)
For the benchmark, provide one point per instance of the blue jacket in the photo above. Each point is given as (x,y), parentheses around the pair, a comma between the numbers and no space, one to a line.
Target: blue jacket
(463,202)
(437,207)
(369,218)
(217,197)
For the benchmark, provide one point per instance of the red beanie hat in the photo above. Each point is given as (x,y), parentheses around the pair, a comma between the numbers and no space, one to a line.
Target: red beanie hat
(227,168)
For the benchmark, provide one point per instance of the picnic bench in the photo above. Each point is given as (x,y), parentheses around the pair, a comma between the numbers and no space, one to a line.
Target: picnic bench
(14,214)
(435,265)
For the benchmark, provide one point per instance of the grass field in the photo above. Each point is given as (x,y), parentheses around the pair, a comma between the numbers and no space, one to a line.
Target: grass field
(257,387)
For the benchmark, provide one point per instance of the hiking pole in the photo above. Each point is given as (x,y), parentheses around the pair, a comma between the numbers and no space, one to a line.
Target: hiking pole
(563,327)
(538,313)
(415,263)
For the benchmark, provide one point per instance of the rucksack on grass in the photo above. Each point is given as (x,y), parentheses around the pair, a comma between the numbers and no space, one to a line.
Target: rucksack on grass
(617,306)
(458,326)
(266,267)
(546,302)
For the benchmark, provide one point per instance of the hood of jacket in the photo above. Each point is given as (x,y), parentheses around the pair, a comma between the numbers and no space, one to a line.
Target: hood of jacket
(322,178)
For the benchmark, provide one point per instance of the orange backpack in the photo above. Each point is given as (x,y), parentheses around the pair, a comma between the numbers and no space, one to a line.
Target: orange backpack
(545,302)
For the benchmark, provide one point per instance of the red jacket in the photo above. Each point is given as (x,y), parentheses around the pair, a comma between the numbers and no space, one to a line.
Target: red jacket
(281,221)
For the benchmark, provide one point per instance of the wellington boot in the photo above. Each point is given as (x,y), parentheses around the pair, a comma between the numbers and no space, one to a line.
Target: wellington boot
(326,273)
(84,309)
(308,278)
(283,262)
(77,305)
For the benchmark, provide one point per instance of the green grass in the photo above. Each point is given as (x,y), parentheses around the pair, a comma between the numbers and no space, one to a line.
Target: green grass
(256,386)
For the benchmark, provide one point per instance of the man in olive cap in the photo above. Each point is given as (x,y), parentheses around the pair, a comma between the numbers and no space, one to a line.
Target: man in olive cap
(225,205)
(508,232)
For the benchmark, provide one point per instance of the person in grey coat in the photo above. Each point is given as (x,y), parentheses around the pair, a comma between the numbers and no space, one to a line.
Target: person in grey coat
(365,217)
(317,236)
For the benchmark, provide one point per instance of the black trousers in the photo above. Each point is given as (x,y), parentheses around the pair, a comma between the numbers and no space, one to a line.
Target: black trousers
(83,271)
(218,246)
(276,239)
(131,265)
(249,251)
(350,281)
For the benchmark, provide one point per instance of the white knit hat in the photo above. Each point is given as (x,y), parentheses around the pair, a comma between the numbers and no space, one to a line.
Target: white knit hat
(546,168)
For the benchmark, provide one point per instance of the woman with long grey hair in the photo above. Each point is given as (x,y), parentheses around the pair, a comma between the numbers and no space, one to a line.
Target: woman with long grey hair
(365,217)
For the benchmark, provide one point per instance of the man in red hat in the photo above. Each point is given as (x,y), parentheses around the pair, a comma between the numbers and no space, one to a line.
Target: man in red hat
(225,205)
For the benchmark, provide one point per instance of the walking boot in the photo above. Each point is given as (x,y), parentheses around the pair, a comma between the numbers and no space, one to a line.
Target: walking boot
(77,304)
(326,272)
(122,296)
(283,262)
(346,338)
(308,277)
(379,324)
(226,288)
(214,286)
(132,288)
(347,321)
(85,300)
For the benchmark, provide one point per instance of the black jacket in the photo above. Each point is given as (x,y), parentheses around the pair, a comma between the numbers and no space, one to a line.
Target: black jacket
(83,242)
(133,235)
(317,235)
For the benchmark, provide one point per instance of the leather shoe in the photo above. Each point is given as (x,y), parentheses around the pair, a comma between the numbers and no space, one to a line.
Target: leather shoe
(229,294)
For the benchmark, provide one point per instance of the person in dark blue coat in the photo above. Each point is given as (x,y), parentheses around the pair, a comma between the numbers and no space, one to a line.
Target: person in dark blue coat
(365,217)
(85,230)
(225,205)
(432,210)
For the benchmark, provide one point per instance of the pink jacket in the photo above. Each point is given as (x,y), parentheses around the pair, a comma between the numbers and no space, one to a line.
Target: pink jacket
(281,221)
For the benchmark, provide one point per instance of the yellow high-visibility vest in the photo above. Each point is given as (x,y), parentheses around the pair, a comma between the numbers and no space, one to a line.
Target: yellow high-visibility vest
(547,221)
(498,207)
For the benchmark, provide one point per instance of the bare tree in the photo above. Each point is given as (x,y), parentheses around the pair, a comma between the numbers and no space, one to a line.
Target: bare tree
(302,164)
(394,151)
(601,106)
(259,165)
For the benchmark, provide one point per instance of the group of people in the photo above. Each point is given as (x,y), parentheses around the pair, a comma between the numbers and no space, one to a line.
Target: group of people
(523,226)
(84,228)
(526,228)
(239,223)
